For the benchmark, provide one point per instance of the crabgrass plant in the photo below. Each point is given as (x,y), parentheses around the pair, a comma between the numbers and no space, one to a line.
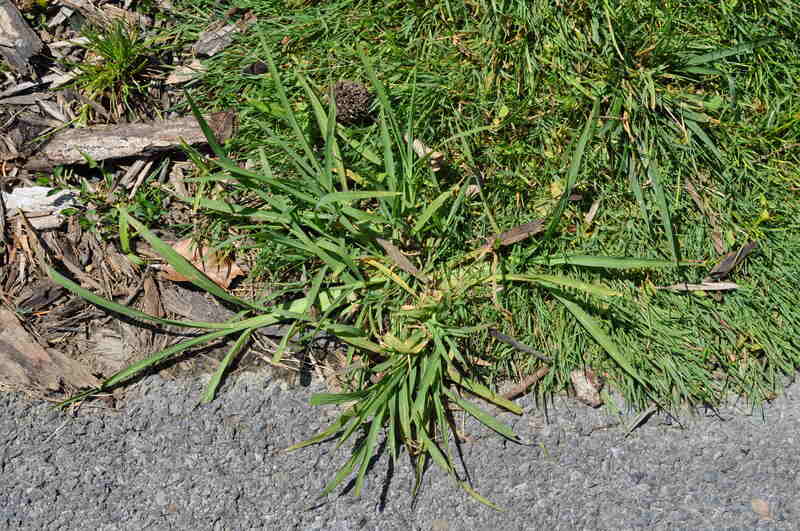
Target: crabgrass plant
(389,277)
(117,70)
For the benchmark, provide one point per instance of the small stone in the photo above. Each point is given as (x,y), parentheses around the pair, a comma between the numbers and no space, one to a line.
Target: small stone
(761,508)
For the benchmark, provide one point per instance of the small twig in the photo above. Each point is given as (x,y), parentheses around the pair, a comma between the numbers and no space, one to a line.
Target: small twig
(520,389)
(508,340)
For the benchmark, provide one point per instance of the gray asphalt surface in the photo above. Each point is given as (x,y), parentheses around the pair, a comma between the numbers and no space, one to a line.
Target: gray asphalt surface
(161,463)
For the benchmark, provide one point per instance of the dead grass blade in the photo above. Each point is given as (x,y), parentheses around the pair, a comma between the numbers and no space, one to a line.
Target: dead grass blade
(705,286)
(400,260)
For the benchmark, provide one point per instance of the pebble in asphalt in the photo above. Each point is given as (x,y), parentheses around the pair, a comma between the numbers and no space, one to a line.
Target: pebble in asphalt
(163,463)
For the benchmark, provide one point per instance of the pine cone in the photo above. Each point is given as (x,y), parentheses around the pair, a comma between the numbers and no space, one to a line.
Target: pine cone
(353,102)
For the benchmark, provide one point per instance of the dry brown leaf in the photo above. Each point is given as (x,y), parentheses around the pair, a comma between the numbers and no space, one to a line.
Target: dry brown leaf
(435,158)
(518,233)
(729,262)
(218,268)
(587,385)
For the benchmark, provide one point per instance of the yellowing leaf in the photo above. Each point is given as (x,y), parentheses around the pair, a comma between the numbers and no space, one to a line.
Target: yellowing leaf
(556,189)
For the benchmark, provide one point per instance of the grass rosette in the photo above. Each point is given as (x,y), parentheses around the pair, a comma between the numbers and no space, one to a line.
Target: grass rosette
(407,322)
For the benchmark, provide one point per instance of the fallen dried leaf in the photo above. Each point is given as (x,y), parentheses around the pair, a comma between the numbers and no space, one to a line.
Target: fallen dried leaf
(729,262)
(516,234)
(435,158)
(218,268)
(185,73)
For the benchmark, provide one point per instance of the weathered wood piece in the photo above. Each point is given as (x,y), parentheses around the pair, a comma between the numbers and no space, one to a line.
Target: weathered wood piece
(18,42)
(107,14)
(41,205)
(125,140)
(26,365)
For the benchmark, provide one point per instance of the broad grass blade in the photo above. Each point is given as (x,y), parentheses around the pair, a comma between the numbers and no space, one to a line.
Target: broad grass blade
(323,399)
(636,186)
(484,392)
(431,210)
(209,134)
(338,425)
(216,379)
(745,47)
(344,471)
(550,281)
(58,278)
(346,197)
(604,340)
(696,129)
(238,210)
(386,118)
(136,368)
(287,107)
(654,173)
(605,262)
(370,443)
(483,417)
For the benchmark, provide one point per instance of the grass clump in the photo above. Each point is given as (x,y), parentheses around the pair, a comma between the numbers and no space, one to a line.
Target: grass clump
(117,70)
(673,125)
(405,321)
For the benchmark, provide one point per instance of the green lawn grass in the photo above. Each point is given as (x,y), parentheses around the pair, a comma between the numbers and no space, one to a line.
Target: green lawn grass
(701,94)
(550,109)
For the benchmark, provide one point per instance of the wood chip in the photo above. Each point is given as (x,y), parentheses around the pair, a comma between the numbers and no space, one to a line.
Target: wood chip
(218,37)
(26,99)
(18,42)
(41,205)
(24,364)
(107,14)
(125,140)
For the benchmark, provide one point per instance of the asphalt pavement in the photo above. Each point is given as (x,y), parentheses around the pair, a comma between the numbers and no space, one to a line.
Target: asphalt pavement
(161,462)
